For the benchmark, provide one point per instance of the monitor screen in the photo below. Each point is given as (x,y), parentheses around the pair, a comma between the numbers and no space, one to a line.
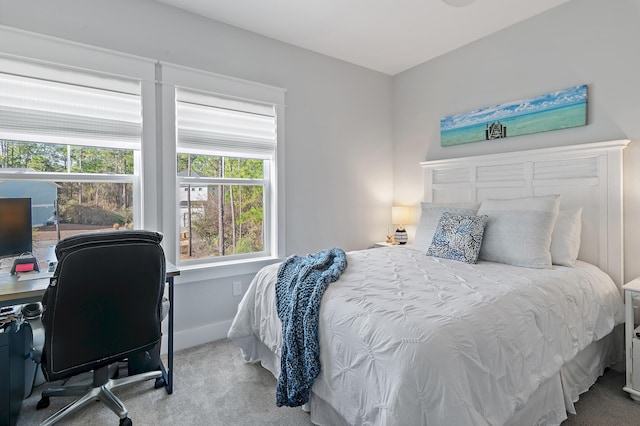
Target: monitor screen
(15,226)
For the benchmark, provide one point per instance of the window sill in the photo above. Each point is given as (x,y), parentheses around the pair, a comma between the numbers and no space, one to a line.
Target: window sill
(209,271)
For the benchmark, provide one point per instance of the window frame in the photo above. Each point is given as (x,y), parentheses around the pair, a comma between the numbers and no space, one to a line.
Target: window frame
(31,49)
(170,77)
(38,70)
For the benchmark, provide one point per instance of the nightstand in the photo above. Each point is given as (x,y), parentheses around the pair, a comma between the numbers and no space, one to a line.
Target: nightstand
(383,244)
(632,341)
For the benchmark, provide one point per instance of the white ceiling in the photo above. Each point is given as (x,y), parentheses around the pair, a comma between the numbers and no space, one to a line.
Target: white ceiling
(389,36)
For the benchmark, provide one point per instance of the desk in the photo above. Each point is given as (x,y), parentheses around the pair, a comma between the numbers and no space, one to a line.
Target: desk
(28,288)
(18,290)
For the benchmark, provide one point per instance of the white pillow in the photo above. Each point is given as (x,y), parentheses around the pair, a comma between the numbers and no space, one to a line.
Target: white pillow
(519,230)
(430,216)
(565,239)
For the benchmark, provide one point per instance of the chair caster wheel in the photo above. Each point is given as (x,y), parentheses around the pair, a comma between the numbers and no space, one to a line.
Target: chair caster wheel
(43,403)
(160,383)
(126,422)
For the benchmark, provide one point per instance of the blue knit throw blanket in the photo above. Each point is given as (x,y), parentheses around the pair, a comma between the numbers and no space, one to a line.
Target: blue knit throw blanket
(299,289)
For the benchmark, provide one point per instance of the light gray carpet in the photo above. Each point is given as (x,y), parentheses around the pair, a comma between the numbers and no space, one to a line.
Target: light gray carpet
(213,386)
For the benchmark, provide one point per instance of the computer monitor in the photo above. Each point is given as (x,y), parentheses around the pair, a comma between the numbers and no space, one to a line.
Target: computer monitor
(15,226)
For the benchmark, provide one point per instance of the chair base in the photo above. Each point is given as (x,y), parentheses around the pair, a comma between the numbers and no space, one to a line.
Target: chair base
(99,390)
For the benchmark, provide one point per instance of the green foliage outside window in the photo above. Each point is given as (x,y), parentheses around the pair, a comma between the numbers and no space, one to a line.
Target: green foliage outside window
(229,219)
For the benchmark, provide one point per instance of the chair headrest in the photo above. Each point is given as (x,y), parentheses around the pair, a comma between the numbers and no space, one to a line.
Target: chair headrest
(103,238)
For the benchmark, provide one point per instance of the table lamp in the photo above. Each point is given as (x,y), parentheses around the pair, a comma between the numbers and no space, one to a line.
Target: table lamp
(401,216)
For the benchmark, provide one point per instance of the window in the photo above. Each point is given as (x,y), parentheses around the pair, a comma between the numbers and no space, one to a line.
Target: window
(225,155)
(99,139)
(70,140)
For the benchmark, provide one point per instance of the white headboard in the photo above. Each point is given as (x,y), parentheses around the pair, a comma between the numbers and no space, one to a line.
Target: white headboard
(585,175)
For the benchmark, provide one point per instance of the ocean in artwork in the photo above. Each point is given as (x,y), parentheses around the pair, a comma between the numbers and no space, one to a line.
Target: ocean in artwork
(553,111)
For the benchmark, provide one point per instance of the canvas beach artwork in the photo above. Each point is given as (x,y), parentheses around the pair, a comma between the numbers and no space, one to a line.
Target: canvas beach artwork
(552,111)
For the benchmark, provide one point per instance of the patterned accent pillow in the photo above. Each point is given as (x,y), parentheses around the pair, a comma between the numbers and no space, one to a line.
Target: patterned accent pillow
(458,237)
(430,215)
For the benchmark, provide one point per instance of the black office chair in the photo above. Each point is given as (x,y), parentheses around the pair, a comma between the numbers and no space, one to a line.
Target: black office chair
(103,305)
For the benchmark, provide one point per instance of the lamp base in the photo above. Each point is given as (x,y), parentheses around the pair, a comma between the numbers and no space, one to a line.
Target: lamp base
(401,236)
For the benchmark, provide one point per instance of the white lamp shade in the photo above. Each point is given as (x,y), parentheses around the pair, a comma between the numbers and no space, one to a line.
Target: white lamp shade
(401,216)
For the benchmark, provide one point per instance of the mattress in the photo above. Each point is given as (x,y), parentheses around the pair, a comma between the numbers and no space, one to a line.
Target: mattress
(411,339)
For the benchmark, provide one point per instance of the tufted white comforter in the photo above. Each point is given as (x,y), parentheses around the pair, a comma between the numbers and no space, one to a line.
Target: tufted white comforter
(411,339)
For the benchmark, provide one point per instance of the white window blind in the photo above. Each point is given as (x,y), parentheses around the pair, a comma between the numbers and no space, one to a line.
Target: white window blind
(37,110)
(208,124)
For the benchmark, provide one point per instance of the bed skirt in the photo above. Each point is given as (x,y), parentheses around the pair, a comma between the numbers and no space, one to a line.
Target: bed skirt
(548,405)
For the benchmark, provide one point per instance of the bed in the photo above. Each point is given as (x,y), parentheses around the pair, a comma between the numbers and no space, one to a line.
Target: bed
(407,338)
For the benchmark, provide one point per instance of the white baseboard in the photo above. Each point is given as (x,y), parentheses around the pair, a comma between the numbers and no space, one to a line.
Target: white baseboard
(196,336)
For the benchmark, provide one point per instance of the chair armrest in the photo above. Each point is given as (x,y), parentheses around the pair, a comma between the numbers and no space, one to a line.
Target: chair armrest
(166,305)
(32,313)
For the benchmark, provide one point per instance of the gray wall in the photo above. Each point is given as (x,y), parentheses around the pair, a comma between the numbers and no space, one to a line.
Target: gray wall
(589,42)
(338,133)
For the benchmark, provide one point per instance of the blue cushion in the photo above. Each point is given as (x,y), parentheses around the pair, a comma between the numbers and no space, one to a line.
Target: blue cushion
(458,237)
